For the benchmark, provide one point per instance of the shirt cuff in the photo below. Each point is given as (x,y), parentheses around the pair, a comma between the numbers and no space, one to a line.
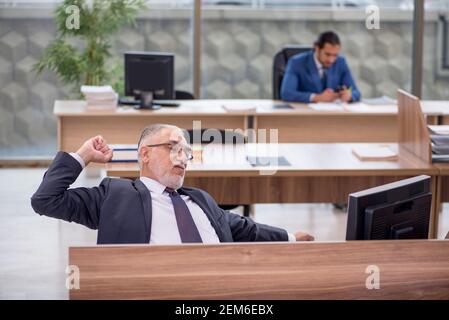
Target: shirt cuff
(291,237)
(78,158)
(311,97)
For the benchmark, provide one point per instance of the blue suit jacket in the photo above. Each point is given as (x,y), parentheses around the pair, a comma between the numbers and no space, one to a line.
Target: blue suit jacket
(301,78)
(121,208)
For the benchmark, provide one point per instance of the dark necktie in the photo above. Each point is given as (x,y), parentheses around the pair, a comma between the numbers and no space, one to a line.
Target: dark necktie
(186,226)
(324,78)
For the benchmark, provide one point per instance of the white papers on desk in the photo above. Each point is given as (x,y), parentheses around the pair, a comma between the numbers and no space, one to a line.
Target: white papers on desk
(123,146)
(124,156)
(353,107)
(439,129)
(100,97)
(240,107)
(326,106)
(362,107)
(384,100)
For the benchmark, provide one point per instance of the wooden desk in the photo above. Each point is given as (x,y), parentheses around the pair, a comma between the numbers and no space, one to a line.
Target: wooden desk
(302,124)
(408,269)
(356,123)
(125,124)
(325,173)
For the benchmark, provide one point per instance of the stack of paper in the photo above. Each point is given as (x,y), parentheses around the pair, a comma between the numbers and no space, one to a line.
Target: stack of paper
(240,107)
(100,97)
(439,138)
(439,130)
(124,152)
(384,100)
(326,106)
(375,153)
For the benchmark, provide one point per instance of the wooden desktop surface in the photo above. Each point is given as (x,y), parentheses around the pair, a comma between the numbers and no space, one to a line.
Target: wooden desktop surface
(306,159)
(300,124)
(408,269)
(215,106)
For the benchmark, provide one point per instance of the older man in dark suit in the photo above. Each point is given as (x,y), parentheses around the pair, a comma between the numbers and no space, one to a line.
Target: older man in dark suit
(152,209)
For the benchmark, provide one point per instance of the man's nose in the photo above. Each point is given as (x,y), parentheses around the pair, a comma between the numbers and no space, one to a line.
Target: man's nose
(182,156)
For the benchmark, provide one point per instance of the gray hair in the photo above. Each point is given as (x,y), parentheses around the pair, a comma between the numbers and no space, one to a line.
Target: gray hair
(151,131)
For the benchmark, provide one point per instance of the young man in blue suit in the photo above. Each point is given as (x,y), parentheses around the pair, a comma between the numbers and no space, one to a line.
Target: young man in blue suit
(320,75)
(154,208)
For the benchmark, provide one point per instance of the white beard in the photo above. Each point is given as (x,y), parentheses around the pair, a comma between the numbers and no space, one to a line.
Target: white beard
(173,181)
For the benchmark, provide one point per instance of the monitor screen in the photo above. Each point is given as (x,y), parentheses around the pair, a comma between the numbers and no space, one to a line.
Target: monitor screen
(149,72)
(398,210)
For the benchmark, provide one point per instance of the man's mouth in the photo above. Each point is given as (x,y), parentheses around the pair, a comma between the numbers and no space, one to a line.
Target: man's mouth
(180,167)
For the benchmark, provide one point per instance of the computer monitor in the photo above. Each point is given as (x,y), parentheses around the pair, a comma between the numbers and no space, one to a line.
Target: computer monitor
(149,72)
(398,210)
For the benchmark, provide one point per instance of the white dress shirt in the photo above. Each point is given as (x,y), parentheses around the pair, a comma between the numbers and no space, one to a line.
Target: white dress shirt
(319,67)
(164,228)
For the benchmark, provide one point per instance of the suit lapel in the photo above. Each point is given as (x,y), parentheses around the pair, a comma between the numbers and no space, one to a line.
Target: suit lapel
(313,71)
(145,197)
(209,214)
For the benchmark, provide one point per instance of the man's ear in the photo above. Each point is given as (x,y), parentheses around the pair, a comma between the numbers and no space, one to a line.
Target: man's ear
(144,154)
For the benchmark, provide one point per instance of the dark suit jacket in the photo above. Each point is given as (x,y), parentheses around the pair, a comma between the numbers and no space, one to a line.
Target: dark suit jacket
(121,209)
(302,78)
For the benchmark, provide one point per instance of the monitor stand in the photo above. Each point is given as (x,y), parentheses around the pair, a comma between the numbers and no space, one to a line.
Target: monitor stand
(128,102)
(133,102)
(152,107)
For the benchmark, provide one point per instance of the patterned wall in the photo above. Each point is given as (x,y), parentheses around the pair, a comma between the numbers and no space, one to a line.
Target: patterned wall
(236,63)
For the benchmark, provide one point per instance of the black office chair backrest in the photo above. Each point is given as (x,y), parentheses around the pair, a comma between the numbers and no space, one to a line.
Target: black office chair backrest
(280,62)
(206,136)
(183,95)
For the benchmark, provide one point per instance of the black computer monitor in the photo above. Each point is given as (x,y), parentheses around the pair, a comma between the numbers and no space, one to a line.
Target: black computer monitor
(149,72)
(398,210)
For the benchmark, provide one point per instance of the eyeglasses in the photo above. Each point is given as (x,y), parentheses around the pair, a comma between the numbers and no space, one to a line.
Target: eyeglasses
(175,148)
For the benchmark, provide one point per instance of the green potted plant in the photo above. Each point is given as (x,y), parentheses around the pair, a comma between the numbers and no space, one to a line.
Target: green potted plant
(93,22)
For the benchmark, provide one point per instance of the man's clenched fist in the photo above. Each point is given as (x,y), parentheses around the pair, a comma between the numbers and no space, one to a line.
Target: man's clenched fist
(95,150)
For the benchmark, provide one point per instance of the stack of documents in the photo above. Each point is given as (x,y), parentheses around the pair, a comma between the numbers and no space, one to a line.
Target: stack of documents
(326,106)
(124,152)
(100,97)
(439,137)
(384,100)
(240,107)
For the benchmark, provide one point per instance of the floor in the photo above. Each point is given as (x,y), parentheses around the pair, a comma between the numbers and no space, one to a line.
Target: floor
(33,249)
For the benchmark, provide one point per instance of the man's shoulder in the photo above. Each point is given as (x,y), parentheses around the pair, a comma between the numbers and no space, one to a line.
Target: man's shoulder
(118,183)
(302,57)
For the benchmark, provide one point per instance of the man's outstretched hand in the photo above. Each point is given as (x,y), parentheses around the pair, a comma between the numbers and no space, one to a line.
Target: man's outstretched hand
(302,236)
(95,150)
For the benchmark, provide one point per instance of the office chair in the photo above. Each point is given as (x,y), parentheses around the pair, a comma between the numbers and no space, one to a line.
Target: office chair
(280,62)
(183,95)
(226,137)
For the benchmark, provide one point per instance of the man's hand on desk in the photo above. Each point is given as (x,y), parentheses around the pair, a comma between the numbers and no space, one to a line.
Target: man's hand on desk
(345,95)
(327,95)
(302,236)
(95,150)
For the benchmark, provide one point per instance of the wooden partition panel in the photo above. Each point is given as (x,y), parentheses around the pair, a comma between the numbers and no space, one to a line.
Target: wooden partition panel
(412,126)
(408,269)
